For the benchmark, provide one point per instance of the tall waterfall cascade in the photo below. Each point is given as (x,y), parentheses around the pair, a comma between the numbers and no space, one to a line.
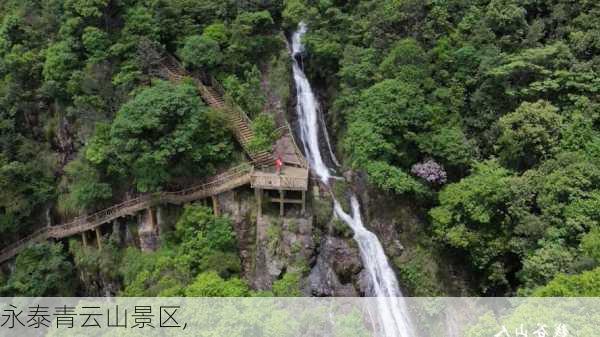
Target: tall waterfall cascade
(391,310)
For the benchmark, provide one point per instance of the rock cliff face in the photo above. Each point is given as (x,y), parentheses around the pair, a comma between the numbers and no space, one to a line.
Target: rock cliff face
(283,245)
(337,269)
(239,205)
(271,245)
(148,231)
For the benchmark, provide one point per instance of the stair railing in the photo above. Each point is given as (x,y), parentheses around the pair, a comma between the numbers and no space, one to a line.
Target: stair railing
(229,179)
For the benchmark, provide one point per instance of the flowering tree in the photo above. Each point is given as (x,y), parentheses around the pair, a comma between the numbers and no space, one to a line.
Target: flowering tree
(431,171)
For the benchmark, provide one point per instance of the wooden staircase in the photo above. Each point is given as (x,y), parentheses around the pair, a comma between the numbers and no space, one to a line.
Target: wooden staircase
(233,178)
(214,95)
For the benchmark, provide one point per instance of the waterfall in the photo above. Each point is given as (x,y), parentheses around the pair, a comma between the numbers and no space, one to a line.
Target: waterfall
(392,311)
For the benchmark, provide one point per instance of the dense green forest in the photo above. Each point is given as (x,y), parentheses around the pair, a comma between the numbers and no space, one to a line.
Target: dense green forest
(502,95)
(483,114)
(86,122)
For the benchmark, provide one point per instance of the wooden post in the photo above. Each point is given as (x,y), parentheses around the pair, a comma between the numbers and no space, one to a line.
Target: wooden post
(215,202)
(316,192)
(116,230)
(99,238)
(303,202)
(281,194)
(84,238)
(151,219)
(258,193)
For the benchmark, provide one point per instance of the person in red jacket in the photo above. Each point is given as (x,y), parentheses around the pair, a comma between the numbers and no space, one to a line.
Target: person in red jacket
(278,165)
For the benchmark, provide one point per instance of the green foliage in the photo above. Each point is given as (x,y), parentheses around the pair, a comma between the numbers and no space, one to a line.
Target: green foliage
(96,267)
(405,60)
(458,82)
(280,76)
(323,211)
(201,52)
(215,232)
(69,140)
(394,179)
(210,284)
(530,134)
(98,151)
(246,92)
(216,32)
(27,184)
(464,83)
(60,60)
(341,229)
(162,273)
(450,144)
(294,12)
(590,244)
(250,40)
(567,190)
(379,129)
(164,131)
(505,17)
(586,284)
(274,235)
(546,262)
(540,216)
(263,128)
(288,285)
(476,215)
(201,260)
(418,274)
(208,242)
(358,66)
(86,8)
(41,270)
(85,188)
(96,43)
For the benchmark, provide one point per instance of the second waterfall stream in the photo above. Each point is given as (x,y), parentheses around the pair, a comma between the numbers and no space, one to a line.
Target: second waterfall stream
(391,310)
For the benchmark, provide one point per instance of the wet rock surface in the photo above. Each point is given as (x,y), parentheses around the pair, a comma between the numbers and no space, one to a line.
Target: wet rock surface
(148,232)
(336,270)
(239,205)
(283,245)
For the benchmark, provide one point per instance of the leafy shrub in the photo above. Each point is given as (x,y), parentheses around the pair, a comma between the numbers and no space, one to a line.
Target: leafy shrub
(85,189)
(288,285)
(41,270)
(246,91)
(208,241)
(210,284)
(201,52)
(263,127)
(164,131)
(323,211)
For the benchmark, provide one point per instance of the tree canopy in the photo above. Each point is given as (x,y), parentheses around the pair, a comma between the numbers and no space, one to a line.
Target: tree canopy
(41,270)
(483,116)
(164,131)
(500,95)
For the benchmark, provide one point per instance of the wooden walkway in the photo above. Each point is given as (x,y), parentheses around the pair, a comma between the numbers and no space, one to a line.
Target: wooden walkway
(233,178)
(290,178)
(214,95)
(259,173)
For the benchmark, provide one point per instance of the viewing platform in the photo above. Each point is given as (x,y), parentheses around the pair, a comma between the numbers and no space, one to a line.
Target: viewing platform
(290,178)
(289,181)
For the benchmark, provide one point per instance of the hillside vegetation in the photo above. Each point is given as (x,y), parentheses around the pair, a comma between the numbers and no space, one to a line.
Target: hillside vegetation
(484,114)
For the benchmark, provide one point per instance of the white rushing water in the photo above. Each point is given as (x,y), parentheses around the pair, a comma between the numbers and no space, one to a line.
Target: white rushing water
(307,111)
(392,312)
